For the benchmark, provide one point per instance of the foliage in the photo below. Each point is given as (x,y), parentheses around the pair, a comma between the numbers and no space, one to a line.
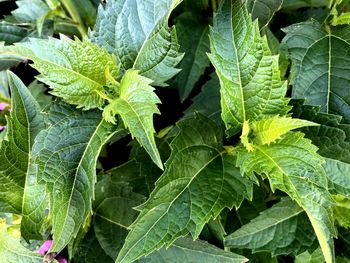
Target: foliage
(249,160)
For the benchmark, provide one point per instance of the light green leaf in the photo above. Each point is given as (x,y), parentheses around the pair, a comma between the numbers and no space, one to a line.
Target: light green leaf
(320,69)
(293,166)
(193,33)
(263,10)
(251,88)
(200,180)
(12,251)
(342,210)
(67,153)
(29,11)
(136,106)
(24,123)
(111,225)
(187,250)
(8,59)
(281,229)
(315,256)
(137,32)
(269,130)
(76,71)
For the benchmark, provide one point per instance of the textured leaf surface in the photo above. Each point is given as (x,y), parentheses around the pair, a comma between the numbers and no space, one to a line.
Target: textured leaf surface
(293,166)
(67,154)
(263,10)
(75,70)
(251,88)
(342,211)
(30,10)
(310,257)
(136,106)
(320,67)
(200,180)
(137,32)
(281,229)
(24,123)
(111,225)
(269,130)
(193,33)
(187,250)
(208,101)
(11,250)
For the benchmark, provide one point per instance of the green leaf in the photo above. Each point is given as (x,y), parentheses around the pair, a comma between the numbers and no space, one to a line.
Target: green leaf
(38,92)
(24,123)
(8,59)
(200,180)
(29,11)
(263,10)
(293,166)
(319,66)
(281,229)
(187,250)
(11,250)
(75,70)
(208,101)
(10,33)
(137,32)
(251,88)
(111,225)
(67,153)
(342,211)
(269,130)
(193,33)
(310,257)
(136,106)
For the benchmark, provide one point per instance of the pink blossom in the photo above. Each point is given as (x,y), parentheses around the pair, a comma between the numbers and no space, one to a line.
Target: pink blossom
(61,259)
(45,247)
(3,106)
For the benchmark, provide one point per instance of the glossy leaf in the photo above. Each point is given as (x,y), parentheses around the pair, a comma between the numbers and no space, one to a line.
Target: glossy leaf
(281,229)
(251,88)
(23,124)
(137,32)
(67,152)
(293,166)
(320,66)
(200,180)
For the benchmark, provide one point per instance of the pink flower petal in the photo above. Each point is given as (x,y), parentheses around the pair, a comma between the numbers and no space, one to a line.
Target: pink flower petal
(61,259)
(45,247)
(3,106)
(2,128)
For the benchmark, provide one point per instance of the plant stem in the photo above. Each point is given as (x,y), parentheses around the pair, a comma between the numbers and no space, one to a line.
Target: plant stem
(74,13)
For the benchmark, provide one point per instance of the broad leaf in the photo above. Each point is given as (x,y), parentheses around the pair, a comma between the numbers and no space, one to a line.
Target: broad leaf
(263,10)
(320,68)
(67,152)
(293,166)
(310,257)
(193,33)
(10,33)
(281,229)
(251,88)
(76,71)
(111,225)
(187,250)
(269,130)
(24,123)
(200,180)
(342,211)
(137,32)
(38,91)
(292,5)
(8,59)
(136,106)
(11,250)
(29,11)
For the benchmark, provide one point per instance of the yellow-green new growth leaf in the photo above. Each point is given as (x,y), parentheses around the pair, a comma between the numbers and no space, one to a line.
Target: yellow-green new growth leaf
(251,87)
(293,166)
(12,251)
(269,130)
(75,70)
(136,106)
